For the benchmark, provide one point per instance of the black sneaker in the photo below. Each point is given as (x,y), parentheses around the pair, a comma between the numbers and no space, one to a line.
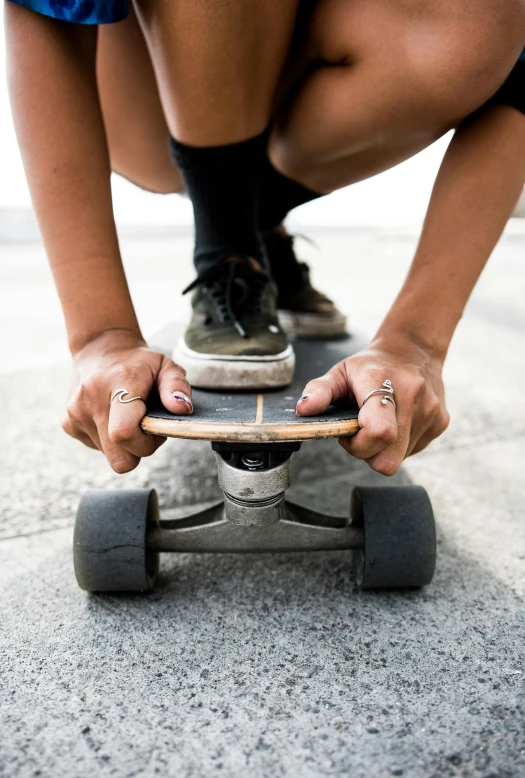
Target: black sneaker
(303,310)
(234,340)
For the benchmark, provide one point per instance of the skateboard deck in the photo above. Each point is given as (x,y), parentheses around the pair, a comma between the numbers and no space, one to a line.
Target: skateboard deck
(265,416)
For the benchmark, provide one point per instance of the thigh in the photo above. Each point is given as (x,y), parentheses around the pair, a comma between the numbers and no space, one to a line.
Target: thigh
(382,80)
(135,126)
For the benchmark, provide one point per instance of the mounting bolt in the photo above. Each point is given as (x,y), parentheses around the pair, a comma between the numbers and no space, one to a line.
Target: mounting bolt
(253,461)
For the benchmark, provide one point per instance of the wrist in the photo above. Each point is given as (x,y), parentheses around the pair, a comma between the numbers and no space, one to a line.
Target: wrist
(404,338)
(421,321)
(106,340)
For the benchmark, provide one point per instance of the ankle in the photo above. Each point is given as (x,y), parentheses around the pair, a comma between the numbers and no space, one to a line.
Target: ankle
(223,183)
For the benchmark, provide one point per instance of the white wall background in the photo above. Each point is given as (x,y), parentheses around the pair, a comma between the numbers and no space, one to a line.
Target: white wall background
(395,198)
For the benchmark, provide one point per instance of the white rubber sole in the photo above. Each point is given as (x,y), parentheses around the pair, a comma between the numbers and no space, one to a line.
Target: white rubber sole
(312,325)
(212,371)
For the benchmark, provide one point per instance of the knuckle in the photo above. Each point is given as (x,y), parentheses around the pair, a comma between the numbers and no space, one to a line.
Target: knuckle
(417,385)
(67,425)
(73,413)
(179,373)
(123,433)
(173,370)
(433,406)
(385,467)
(443,422)
(94,382)
(384,431)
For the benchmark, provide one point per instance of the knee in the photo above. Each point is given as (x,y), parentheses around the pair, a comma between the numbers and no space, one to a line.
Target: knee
(157,182)
(161,187)
(472,62)
(448,62)
(400,83)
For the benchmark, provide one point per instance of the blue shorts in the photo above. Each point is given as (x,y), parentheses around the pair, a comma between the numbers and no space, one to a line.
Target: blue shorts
(80,11)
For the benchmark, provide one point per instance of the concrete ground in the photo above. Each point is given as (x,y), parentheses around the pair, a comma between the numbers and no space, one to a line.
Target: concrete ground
(270,665)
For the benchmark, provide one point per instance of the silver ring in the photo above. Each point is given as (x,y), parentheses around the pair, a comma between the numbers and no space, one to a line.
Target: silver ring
(121,393)
(387,398)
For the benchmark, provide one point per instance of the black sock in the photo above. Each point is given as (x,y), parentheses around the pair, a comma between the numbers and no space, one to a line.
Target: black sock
(223,183)
(279,195)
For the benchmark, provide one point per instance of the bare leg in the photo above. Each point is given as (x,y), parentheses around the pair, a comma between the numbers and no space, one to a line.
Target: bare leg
(384,80)
(136,130)
(217,65)
(363,101)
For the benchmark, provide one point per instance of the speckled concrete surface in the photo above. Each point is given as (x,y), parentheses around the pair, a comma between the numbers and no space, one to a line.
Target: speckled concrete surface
(269,665)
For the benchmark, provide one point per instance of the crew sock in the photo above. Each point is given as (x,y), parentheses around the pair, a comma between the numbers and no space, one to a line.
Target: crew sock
(279,195)
(223,183)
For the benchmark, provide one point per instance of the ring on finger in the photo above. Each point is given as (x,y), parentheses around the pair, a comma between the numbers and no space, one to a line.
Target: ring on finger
(387,398)
(121,393)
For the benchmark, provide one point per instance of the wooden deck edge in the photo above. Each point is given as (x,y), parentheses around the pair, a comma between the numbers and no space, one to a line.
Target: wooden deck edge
(248,432)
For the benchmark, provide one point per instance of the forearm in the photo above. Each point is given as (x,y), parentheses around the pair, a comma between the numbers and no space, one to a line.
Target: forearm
(477,187)
(62,139)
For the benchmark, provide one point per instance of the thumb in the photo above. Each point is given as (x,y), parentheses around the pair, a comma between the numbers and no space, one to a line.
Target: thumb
(322,392)
(174,390)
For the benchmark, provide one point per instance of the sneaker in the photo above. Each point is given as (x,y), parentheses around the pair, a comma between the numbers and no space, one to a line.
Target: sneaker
(303,311)
(234,340)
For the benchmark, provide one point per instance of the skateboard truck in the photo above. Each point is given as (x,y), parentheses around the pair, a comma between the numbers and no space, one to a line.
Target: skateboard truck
(119,534)
(255,516)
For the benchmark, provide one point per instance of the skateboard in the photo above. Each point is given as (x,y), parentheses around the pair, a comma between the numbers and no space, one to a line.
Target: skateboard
(390,530)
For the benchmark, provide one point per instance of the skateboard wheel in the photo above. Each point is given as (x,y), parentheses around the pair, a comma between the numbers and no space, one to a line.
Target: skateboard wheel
(399,536)
(109,543)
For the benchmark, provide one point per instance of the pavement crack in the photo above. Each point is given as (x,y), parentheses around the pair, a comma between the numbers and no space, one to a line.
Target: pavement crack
(33,534)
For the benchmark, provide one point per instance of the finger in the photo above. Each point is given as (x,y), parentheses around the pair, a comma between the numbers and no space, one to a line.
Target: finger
(121,431)
(72,429)
(174,390)
(123,461)
(421,444)
(422,441)
(120,460)
(379,429)
(322,392)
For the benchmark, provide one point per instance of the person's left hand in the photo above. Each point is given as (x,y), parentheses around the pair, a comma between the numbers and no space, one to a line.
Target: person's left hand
(387,435)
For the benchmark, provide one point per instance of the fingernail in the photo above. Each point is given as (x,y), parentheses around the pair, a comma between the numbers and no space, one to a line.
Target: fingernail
(183,399)
(302,399)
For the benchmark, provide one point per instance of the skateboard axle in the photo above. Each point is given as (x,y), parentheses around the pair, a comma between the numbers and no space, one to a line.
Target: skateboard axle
(299,530)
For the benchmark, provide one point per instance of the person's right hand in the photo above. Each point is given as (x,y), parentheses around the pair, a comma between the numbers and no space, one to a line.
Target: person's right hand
(120,359)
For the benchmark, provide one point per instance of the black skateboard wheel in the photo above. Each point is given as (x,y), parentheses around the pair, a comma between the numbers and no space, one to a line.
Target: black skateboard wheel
(399,537)
(109,542)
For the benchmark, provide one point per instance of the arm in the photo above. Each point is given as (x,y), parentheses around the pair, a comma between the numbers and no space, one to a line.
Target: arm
(475,192)
(61,134)
(478,184)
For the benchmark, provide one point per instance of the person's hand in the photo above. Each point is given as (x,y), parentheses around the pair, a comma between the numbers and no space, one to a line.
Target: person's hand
(119,359)
(387,435)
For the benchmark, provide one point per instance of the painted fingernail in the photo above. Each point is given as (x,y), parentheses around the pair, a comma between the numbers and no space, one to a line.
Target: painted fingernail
(302,399)
(180,397)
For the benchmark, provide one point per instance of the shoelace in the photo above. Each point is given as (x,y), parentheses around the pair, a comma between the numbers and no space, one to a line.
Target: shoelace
(222,288)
